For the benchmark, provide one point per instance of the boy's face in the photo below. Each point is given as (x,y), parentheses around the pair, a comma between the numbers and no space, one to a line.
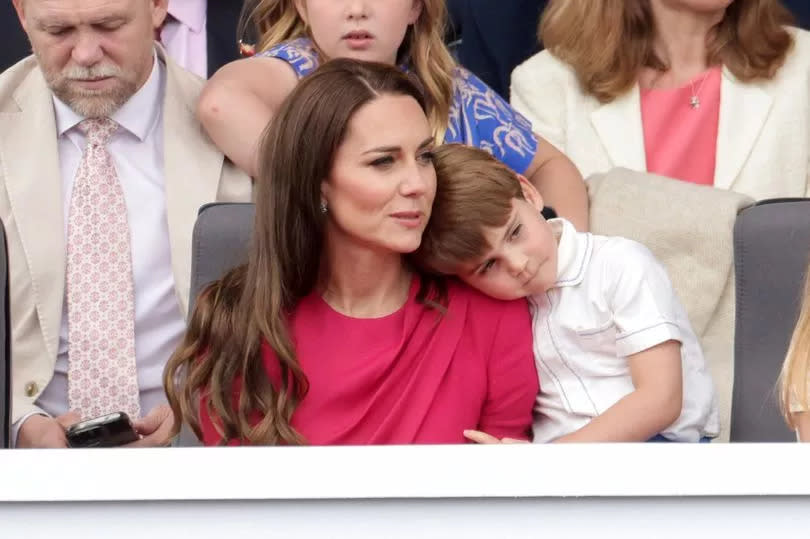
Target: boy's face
(523,259)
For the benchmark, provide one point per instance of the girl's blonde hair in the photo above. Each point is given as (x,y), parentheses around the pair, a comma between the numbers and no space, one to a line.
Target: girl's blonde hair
(793,380)
(423,49)
(607,42)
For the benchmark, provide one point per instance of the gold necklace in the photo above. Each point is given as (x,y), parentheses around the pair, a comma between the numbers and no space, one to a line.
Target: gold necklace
(694,100)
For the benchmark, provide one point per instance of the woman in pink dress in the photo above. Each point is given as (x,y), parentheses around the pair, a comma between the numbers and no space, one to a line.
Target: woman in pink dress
(712,92)
(328,335)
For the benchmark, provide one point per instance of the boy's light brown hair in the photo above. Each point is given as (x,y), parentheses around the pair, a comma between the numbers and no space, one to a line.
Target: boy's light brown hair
(473,191)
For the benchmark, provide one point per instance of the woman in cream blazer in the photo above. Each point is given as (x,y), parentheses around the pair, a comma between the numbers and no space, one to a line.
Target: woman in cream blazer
(763,130)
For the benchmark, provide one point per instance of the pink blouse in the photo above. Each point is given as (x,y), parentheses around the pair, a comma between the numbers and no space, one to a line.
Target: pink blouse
(415,376)
(680,141)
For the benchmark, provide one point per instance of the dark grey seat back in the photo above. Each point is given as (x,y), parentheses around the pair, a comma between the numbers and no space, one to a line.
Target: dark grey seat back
(771,248)
(222,236)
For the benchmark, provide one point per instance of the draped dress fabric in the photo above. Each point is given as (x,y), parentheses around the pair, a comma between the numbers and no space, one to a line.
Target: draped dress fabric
(415,376)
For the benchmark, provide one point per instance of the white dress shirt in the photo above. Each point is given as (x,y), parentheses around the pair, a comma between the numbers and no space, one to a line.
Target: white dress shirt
(184,35)
(137,152)
(612,299)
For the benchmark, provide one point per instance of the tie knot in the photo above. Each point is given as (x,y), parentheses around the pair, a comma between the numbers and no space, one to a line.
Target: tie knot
(98,130)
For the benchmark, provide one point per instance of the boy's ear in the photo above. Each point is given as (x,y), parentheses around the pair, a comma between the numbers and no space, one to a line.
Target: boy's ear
(530,193)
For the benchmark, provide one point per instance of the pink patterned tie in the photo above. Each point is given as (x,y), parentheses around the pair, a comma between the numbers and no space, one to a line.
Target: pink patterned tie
(102,377)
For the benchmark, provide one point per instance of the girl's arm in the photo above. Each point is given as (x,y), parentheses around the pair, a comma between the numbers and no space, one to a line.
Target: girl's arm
(802,421)
(654,405)
(239,101)
(559,183)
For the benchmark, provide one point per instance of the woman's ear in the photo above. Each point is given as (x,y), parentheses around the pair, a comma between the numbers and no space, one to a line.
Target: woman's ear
(324,191)
(416,10)
(530,193)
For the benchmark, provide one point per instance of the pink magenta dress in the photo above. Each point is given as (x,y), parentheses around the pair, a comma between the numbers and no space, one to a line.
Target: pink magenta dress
(413,377)
(681,141)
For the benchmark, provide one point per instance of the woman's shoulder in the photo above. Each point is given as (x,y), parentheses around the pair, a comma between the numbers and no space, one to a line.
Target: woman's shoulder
(481,307)
(543,66)
(799,55)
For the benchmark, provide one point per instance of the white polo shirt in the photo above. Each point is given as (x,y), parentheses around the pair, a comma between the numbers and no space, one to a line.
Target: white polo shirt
(612,299)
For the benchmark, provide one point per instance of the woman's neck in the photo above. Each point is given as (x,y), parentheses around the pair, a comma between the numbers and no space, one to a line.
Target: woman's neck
(681,37)
(364,283)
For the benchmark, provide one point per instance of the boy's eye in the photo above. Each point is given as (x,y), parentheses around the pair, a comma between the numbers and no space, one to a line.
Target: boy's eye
(516,231)
(382,161)
(486,266)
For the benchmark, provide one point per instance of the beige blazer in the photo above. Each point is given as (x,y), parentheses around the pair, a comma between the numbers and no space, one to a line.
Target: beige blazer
(694,241)
(31,209)
(763,140)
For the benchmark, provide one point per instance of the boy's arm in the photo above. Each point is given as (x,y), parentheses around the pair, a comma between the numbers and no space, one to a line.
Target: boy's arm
(654,404)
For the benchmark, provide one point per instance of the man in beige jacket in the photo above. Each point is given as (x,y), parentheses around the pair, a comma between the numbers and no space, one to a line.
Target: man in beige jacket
(103,168)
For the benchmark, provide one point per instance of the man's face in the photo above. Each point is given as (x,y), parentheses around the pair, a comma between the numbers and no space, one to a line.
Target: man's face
(94,54)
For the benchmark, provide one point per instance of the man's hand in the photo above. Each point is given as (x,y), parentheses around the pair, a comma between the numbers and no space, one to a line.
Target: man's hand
(45,432)
(154,428)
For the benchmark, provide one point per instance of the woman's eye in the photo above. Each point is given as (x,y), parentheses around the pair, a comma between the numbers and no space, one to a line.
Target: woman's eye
(382,161)
(426,157)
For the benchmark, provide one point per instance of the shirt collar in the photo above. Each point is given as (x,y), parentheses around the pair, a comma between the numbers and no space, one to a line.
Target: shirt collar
(190,13)
(573,251)
(131,114)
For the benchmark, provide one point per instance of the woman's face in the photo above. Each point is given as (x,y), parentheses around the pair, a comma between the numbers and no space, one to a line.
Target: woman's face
(370,30)
(382,183)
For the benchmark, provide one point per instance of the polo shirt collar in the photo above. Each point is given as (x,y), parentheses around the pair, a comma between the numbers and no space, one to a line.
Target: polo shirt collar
(573,251)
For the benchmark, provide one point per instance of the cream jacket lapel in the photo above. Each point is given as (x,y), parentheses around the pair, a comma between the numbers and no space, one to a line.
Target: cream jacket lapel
(31,175)
(618,125)
(744,108)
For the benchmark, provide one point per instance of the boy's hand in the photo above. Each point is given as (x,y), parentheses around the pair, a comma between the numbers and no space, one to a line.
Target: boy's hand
(483,438)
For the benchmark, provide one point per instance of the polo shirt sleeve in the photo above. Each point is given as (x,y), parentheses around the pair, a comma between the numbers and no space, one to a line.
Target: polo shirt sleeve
(644,304)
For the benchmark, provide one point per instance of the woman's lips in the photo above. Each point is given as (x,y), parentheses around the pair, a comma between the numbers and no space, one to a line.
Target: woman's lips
(409,219)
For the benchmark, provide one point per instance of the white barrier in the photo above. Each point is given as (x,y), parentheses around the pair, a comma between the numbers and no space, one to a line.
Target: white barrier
(633,490)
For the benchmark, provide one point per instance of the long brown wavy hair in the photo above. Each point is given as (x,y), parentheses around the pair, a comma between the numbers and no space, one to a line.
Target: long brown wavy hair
(272,22)
(222,348)
(607,42)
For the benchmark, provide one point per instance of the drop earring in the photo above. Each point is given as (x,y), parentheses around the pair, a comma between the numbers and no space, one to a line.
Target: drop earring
(324,209)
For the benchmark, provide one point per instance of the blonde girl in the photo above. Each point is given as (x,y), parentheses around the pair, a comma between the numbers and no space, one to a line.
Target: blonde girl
(793,382)
(296,36)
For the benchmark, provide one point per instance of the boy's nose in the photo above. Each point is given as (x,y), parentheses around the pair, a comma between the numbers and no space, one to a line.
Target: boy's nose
(516,263)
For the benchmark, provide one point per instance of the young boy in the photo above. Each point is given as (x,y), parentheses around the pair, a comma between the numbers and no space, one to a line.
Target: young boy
(616,355)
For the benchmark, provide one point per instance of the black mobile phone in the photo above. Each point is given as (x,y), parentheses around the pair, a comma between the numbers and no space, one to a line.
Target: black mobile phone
(109,430)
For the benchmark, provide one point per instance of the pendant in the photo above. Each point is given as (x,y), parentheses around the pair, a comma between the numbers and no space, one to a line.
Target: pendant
(694,102)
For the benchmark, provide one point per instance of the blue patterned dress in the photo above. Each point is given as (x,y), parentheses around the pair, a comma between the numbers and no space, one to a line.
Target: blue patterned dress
(478,115)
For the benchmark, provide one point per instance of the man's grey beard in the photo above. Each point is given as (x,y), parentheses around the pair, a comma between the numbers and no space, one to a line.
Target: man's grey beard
(89,103)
